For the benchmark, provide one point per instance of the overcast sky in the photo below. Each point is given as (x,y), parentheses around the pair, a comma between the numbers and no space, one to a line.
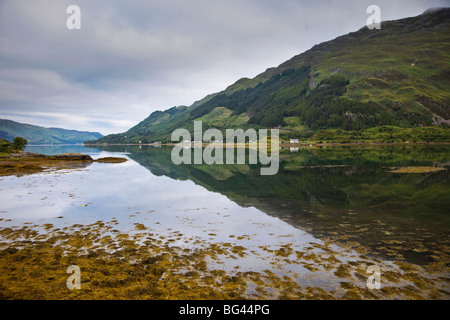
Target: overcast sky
(133,57)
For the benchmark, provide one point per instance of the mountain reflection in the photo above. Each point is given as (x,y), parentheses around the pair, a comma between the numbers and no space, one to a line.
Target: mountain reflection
(347,195)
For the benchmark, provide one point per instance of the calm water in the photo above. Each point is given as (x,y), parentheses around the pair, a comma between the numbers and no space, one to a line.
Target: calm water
(346,197)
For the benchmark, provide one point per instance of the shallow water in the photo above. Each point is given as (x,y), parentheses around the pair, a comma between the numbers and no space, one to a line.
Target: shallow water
(325,211)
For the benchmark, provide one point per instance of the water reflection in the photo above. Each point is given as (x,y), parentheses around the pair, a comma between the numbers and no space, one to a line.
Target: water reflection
(346,195)
(60,149)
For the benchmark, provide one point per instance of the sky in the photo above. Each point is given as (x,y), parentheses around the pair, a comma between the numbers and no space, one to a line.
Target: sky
(132,57)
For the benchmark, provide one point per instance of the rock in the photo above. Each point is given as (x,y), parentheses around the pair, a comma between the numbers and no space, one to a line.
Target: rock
(313,84)
(74,156)
(11,250)
(111,160)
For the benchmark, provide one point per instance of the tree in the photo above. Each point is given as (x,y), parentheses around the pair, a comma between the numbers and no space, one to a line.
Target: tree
(20,143)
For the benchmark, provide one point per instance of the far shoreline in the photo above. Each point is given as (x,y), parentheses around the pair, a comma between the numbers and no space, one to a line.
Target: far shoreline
(282,144)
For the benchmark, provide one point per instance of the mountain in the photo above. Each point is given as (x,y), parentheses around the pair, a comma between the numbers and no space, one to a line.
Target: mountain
(40,135)
(391,84)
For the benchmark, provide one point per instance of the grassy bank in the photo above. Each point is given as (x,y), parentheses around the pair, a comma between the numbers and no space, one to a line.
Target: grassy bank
(385,134)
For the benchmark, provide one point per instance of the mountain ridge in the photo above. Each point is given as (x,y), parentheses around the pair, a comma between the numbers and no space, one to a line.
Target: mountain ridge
(40,135)
(395,78)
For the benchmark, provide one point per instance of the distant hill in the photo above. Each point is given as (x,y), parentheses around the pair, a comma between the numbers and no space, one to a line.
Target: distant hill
(40,135)
(391,84)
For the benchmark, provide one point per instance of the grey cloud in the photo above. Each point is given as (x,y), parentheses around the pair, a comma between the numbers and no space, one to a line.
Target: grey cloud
(133,57)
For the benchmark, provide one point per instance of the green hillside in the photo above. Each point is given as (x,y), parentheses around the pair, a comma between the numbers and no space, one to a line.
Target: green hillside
(39,135)
(391,84)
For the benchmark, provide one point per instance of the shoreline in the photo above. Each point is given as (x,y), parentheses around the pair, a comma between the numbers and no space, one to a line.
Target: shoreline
(147,265)
(282,144)
(22,163)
